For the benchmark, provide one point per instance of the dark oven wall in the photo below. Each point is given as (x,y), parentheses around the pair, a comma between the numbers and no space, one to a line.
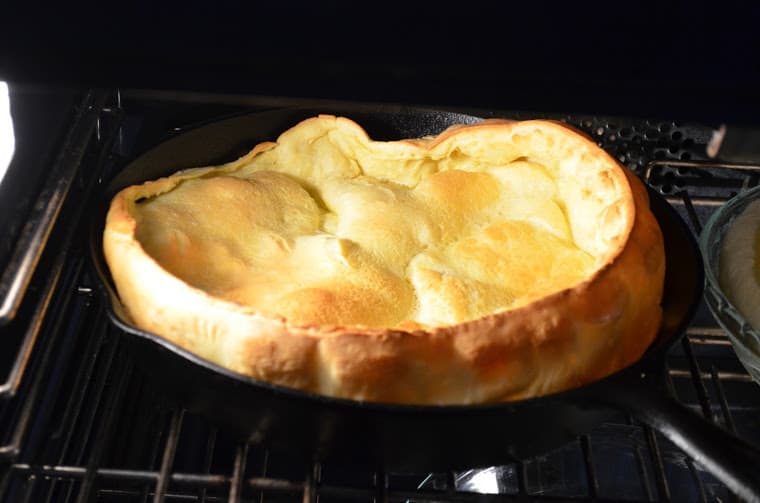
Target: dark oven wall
(692,60)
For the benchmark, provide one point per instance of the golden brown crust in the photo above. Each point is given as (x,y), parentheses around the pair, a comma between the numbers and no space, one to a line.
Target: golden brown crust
(547,343)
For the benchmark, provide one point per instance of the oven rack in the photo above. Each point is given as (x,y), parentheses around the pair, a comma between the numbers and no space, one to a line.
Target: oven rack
(81,423)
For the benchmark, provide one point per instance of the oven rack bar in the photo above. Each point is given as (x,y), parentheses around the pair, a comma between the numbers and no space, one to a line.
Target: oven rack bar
(35,233)
(42,328)
(30,249)
(308,489)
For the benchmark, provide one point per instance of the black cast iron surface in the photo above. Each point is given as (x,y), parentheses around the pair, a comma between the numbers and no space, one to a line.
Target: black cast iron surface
(101,431)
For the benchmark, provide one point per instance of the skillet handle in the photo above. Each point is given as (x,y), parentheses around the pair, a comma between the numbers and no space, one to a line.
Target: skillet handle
(732,461)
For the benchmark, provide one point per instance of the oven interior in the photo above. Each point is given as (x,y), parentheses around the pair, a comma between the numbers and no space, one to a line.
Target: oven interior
(79,421)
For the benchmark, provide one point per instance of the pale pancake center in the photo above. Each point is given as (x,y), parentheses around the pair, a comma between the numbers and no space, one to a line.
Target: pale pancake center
(324,235)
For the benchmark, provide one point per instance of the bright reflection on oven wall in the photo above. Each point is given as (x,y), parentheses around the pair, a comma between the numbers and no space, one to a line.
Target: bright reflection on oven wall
(7,140)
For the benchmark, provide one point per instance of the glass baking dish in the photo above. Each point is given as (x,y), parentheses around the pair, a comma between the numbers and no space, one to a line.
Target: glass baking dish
(744,338)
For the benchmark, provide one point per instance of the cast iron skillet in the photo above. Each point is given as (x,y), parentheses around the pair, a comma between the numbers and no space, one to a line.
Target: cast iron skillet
(413,438)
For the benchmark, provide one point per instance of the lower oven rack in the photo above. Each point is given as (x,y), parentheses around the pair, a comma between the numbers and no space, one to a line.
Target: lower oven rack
(82,424)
